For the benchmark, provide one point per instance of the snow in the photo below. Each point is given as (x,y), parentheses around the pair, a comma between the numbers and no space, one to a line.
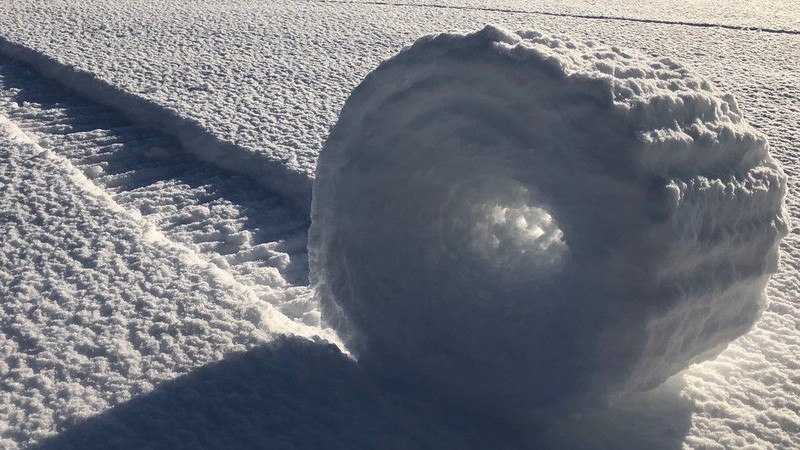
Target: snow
(227,220)
(578,221)
(777,15)
(236,78)
(98,306)
(253,87)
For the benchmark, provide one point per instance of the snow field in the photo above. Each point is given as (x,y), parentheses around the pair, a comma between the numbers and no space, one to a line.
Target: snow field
(99,305)
(254,87)
(271,77)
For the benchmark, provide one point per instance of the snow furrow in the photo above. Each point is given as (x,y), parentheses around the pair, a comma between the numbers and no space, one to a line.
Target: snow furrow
(98,306)
(226,218)
(293,187)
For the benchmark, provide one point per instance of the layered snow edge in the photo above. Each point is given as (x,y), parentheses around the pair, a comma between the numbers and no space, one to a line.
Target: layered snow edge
(271,321)
(294,186)
(517,221)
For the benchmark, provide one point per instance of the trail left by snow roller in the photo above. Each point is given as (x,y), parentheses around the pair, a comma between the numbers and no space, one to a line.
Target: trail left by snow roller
(513,222)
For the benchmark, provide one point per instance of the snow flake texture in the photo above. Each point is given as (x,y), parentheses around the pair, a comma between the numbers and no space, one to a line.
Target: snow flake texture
(515,222)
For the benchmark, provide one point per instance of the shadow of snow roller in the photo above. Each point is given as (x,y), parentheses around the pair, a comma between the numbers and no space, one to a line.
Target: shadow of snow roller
(509,222)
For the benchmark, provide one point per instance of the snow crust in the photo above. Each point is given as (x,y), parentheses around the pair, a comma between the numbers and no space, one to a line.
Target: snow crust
(98,306)
(254,86)
(267,79)
(515,221)
(226,219)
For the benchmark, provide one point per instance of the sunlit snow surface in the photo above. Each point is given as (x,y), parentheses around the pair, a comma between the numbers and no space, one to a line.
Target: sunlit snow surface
(776,15)
(268,80)
(98,305)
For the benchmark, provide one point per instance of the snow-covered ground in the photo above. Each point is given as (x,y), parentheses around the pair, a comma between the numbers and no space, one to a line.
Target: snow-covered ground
(776,15)
(154,220)
(98,304)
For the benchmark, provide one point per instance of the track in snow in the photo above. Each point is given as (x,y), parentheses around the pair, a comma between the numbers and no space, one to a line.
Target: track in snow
(574,16)
(226,218)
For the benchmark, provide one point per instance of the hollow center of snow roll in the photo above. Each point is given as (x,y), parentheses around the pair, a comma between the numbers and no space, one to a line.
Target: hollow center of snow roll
(507,234)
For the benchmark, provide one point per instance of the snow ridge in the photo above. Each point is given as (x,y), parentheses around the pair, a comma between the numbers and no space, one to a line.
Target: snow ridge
(227,219)
(293,186)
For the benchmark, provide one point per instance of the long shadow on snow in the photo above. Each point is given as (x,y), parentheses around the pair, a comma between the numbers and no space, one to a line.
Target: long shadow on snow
(294,393)
(288,394)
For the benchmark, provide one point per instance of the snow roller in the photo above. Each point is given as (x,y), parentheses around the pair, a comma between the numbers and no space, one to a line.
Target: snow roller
(510,222)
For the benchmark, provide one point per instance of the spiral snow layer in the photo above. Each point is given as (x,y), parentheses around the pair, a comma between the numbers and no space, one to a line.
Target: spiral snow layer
(513,222)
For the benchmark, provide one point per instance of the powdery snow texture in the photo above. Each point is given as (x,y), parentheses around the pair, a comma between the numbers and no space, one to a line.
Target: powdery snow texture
(271,77)
(515,221)
(773,14)
(97,306)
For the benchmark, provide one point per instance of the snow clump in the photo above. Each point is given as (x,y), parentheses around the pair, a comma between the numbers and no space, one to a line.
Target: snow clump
(513,222)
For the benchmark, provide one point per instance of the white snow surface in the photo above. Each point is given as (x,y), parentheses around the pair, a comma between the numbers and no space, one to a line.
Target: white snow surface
(98,306)
(287,66)
(520,221)
(253,87)
(778,15)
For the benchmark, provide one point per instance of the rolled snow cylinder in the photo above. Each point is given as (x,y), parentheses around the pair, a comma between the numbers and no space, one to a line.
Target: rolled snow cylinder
(512,222)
